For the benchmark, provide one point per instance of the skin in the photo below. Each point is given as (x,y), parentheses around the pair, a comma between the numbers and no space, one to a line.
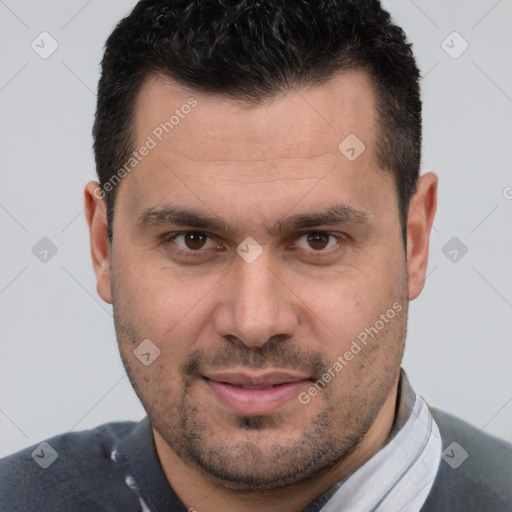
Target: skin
(298,306)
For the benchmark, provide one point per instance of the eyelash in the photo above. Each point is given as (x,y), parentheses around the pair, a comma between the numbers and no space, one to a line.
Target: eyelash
(169,238)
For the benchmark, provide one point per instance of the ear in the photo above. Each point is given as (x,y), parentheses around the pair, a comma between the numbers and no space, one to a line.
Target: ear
(96,214)
(422,209)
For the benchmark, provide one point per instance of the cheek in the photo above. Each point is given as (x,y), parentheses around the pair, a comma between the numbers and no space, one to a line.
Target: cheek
(163,306)
(340,312)
(342,305)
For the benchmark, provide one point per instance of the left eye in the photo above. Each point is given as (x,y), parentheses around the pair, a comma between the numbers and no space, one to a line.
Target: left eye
(316,240)
(193,241)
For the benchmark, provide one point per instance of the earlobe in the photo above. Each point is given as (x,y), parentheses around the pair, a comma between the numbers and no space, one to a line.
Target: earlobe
(422,209)
(96,216)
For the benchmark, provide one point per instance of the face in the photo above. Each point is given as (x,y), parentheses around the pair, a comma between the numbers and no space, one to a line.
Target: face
(277,352)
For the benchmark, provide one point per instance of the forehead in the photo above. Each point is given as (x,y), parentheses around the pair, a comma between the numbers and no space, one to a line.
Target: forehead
(223,154)
(317,119)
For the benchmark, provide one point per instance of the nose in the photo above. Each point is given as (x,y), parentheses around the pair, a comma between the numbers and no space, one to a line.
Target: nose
(255,305)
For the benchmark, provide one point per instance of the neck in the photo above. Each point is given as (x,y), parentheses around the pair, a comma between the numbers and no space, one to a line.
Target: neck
(198,492)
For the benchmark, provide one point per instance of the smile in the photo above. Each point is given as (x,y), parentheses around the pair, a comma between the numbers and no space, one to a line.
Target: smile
(255,395)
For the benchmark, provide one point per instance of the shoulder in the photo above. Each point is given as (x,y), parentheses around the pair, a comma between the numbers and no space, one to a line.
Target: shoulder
(67,472)
(474,472)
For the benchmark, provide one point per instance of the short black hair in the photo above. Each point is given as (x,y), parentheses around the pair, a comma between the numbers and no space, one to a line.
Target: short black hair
(251,50)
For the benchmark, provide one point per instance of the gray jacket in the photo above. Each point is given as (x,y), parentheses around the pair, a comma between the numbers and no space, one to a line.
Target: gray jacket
(114,468)
(483,482)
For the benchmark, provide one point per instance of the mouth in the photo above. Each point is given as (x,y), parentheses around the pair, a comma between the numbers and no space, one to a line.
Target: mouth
(252,394)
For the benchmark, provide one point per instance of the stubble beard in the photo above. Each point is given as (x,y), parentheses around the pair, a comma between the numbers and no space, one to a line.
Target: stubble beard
(261,457)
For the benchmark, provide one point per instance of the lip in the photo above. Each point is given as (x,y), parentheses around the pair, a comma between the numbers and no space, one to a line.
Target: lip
(255,394)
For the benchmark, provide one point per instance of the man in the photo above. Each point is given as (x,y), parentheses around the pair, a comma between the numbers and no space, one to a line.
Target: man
(260,227)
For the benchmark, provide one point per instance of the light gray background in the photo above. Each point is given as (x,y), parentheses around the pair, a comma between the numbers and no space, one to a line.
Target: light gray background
(59,366)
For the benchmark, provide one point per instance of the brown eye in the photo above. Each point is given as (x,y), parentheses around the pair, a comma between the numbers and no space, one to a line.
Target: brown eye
(318,241)
(191,240)
(194,240)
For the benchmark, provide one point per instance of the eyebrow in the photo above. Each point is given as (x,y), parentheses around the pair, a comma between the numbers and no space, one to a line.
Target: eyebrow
(180,216)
